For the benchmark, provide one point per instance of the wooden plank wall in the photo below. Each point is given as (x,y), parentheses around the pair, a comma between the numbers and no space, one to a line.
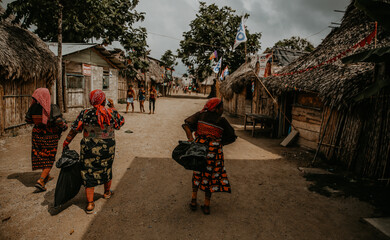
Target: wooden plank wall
(122,88)
(15,101)
(308,123)
(307,119)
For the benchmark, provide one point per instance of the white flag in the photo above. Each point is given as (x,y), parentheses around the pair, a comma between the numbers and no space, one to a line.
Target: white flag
(218,66)
(241,36)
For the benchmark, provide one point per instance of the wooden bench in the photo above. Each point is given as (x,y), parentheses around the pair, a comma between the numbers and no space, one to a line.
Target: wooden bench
(266,122)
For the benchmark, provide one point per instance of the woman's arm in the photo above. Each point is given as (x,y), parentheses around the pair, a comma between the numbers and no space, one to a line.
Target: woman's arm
(188,132)
(72,133)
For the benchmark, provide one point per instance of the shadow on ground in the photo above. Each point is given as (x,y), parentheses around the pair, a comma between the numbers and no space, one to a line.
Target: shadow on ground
(269,200)
(79,200)
(28,179)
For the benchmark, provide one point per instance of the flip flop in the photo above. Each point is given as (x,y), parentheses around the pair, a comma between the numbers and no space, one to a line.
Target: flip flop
(40,187)
(193,206)
(205,209)
(108,196)
(89,211)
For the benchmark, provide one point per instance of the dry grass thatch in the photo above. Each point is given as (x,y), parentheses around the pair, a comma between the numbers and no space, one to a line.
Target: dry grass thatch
(155,71)
(237,81)
(24,56)
(336,83)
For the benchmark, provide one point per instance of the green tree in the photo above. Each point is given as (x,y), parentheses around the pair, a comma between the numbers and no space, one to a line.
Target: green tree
(168,59)
(213,29)
(294,43)
(83,20)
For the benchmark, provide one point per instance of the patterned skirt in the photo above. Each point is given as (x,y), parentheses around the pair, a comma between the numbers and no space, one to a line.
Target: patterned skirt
(214,179)
(44,146)
(97,157)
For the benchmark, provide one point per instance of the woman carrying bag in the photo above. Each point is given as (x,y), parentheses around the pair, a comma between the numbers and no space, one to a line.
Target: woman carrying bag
(98,144)
(48,126)
(214,131)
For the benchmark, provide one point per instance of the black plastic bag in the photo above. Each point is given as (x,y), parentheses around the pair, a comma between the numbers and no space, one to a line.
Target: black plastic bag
(69,181)
(191,155)
(68,158)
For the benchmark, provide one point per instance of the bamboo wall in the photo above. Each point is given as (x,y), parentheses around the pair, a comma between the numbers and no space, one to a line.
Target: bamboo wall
(15,99)
(236,105)
(262,103)
(360,137)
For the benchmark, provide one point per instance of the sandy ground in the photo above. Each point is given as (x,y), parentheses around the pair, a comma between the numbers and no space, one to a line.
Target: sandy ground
(269,199)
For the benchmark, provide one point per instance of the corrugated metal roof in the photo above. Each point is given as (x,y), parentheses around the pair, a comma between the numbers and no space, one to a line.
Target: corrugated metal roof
(69,48)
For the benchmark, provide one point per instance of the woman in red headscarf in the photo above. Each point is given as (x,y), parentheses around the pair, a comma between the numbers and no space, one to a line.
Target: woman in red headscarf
(48,126)
(98,144)
(215,131)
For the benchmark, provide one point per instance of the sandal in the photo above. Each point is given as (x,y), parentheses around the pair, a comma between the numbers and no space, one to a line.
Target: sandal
(48,178)
(108,194)
(90,207)
(193,205)
(206,209)
(40,185)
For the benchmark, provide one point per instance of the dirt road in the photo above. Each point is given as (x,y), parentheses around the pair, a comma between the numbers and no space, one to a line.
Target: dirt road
(269,198)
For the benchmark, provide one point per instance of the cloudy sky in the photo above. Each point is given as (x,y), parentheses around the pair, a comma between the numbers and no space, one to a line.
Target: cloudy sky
(275,19)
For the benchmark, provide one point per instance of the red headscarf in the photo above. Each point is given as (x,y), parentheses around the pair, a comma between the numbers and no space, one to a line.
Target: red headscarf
(42,96)
(96,98)
(211,105)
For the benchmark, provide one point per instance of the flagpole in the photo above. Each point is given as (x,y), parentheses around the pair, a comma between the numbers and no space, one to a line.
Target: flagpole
(245,52)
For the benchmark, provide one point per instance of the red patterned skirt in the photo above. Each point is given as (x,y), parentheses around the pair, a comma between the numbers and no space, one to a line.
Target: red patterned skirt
(214,179)
(44,146)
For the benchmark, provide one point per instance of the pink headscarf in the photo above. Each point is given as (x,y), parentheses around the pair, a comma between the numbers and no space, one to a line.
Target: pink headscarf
(42,96)
(211,105)
(96,98)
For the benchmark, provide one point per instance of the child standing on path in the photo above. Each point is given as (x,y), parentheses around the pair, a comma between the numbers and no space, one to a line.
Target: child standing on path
(130,98)
(152,99)
(141,98)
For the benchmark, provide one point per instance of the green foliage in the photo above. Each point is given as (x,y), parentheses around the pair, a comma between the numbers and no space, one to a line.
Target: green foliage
(294,43)
(108,20)
(216,28)
(168,59)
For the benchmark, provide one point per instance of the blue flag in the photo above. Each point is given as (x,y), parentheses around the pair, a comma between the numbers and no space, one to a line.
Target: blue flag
(218,66)
(224,73)
(241,35)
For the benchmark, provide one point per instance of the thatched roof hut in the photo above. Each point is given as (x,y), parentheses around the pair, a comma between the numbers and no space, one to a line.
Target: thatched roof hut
(24,56)
(336,83)
(237,81)
(155,71)
(26,63)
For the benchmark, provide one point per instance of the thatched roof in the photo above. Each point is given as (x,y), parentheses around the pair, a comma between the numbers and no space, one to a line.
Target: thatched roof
(155,71)
(23,55)
(237,81)
(335,83)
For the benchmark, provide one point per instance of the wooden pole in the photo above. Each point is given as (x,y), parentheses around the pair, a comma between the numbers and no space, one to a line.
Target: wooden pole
(245,54)
(64,94)
(59,60)
(322,138)
(376,33)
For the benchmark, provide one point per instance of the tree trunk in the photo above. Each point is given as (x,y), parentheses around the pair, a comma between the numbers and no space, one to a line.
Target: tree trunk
(59,64)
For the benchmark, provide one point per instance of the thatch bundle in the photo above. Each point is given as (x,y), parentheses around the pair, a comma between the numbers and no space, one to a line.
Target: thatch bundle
(336,83)
(24,56)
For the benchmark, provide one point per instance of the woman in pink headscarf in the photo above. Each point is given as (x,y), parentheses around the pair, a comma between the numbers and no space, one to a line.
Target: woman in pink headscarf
(98,144)
(48,126)
(215,131)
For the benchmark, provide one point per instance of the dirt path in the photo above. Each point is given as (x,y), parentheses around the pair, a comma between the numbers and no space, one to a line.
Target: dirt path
(270,199)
